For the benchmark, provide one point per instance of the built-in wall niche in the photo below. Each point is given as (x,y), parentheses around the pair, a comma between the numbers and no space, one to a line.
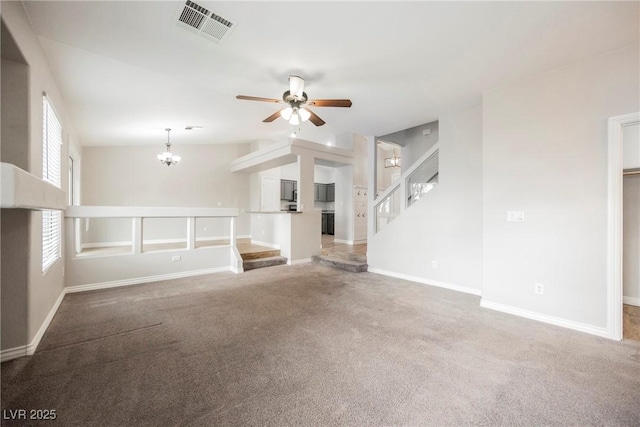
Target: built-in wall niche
(212,231)
(104,235)
(164,234)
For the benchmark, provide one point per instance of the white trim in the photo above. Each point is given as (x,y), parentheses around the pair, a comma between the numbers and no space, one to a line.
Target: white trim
(614,223)
(154,242)
(147,279)
(236,270)
(13,353)
(299,261)
(267,244)
(631,301)
(430,282)
(105,245)
(29,349)
(146,212)
(344,242)
(552,320)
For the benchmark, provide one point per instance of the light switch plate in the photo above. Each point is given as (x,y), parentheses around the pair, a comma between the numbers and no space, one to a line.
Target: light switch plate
(515,215)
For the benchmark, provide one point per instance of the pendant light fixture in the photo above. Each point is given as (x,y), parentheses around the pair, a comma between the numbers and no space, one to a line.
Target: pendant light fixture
(167,158)
(393,161)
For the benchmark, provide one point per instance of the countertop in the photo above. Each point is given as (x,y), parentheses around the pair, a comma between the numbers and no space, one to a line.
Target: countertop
(273,212)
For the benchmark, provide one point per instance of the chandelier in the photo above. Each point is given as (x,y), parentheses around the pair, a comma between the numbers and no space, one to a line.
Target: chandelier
(393,161)
(167,158)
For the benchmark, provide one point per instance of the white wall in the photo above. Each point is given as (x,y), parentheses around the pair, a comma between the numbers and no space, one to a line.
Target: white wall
(132,176)
(545,153)
(42,290)
(445,225)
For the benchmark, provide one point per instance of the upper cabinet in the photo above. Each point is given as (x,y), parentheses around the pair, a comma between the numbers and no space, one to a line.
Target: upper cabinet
(288,190)
(324,192)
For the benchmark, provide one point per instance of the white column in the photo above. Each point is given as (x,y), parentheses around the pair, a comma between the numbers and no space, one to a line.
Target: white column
(233,231)
(373,185)
(191,233)
(306,170)
(137,235)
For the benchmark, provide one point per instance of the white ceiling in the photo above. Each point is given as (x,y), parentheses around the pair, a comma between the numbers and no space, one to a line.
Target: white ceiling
(127,71)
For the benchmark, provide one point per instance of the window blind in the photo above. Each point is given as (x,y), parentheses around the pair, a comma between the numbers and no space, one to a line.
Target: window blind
(51,142)
(51,220)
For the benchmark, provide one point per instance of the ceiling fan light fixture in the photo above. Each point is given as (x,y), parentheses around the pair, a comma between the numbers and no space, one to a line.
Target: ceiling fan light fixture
(286,113)
(304,114)
(295,118)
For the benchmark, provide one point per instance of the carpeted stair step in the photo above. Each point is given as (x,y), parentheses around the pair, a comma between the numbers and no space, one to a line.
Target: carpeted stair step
(252,264)
(355,266)
(268,253)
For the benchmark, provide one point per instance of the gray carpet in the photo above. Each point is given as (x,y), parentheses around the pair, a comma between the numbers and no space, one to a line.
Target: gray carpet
(310,345)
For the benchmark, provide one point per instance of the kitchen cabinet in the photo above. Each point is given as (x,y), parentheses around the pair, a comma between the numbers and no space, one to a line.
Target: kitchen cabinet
(288,190)
(324,192)
(328,223)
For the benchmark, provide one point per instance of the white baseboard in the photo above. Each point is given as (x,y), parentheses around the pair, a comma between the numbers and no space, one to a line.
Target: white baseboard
(344,242)
(147,279)
(267,244)
(631,301)
(29,349)
(451,286)
(236,270)
(299,261)
(552,320)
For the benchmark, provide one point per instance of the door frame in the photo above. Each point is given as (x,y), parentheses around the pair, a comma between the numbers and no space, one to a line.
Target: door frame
(614,226)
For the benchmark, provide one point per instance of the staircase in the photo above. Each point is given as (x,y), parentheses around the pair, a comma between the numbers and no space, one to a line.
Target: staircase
(254,256)
(349,262)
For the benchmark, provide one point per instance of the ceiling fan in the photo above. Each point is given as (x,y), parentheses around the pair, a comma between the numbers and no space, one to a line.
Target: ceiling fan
(297,103)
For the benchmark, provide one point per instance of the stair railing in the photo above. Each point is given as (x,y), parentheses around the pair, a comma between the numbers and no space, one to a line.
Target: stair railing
(414,183)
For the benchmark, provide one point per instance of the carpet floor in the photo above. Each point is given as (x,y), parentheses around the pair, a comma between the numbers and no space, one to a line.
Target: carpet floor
(308,345)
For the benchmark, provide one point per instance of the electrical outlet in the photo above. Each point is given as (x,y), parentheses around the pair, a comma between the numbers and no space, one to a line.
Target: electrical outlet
(538,288)
(434,264)
(176,258)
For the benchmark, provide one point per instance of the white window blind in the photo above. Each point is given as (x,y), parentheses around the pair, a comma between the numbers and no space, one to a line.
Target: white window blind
(51,142)
(51,220)
(51,238)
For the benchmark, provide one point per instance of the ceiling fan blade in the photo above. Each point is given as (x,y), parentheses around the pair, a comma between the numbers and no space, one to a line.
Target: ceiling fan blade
(330,102)
(256,98)
(313,118)
(272,117)
(296,86)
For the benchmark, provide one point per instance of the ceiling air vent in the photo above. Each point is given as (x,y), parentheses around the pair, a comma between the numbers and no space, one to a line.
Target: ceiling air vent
(203,22)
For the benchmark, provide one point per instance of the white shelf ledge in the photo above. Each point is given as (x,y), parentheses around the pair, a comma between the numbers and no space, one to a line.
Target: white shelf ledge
(22,190)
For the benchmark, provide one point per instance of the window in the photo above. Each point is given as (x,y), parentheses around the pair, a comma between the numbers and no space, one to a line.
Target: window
(51,220)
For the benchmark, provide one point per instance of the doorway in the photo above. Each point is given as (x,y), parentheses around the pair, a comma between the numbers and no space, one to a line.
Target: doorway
(631,232)
(621,165)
